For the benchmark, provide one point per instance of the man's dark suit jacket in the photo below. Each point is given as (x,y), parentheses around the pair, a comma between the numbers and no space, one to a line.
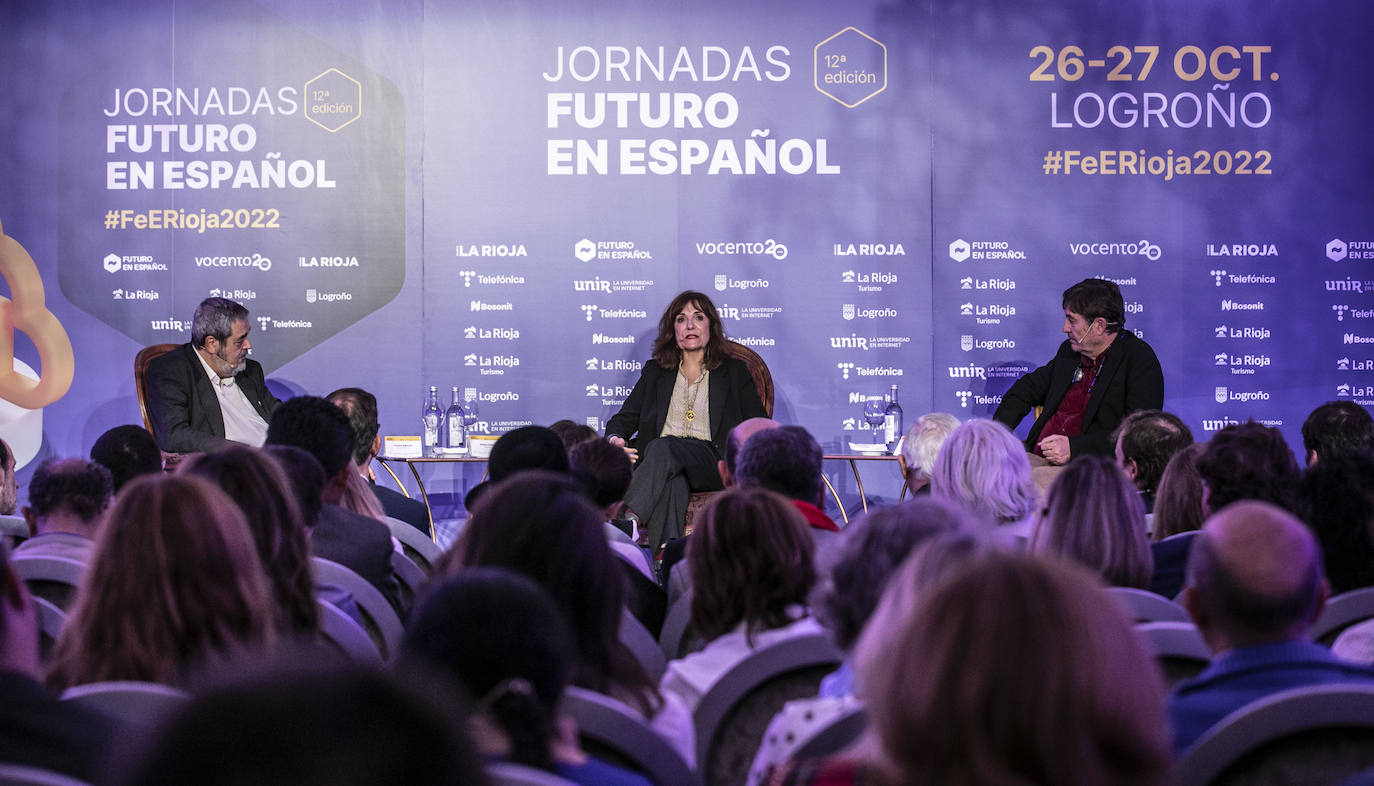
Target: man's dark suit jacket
(182,404)
(731,399)
(38,730)
(399,506)
(361,544)
(1130,379)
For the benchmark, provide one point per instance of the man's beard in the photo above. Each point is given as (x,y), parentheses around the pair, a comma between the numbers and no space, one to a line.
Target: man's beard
(223,355)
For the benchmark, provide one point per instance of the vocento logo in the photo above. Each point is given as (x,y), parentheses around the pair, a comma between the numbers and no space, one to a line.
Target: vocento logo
(1130,248)
(758,248)
(256,261)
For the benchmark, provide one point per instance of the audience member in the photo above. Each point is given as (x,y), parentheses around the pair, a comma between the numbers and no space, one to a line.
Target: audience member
(37,730)
(1336,500)
(1177,518)
(1039,681)
(1255,586)
(571,433)
(306,477)
(1094,516)
(361,408)
(539,524)
(174,581)
(1145,441)
(338,727)
(357,542)
(9,484)
(984,469)
(258,484)
(605,470)
(357,497)
(1335,429)
(922,445)
(787,460)
(67,501)
(463,632)
(527,447)
(1247,461)
(127,452)
(751,565)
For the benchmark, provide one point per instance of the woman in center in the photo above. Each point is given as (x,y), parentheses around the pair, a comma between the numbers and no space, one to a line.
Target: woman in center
(689,396)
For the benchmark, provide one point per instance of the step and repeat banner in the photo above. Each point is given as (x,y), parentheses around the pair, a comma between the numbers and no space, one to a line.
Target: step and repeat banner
(503,196)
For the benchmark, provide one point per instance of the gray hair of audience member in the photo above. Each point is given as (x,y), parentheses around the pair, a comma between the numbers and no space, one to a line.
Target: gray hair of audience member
(361,409)
(80,487)
(923,441)
(874,546)
(215,316)
(1149,438)
(1094,516)
(127,452)
(1255,575)
(786,459)
(983,468)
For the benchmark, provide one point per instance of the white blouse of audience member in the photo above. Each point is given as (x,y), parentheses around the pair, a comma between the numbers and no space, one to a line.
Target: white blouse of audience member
(691,677)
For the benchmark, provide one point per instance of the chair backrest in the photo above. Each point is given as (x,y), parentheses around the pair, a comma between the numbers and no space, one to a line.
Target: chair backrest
(339,629)
(836,735)
(13,530)
(1341,612)
(380,619)
(1177,646)
(763,378)
(641,642)
(141,360)
(51,620)
(420,548)
(408,575)
(731,718)
(617,734)
(674,638)
(1319,734)
(20,775)
(1145,606)
(138,704)
(55,579)
(506,774)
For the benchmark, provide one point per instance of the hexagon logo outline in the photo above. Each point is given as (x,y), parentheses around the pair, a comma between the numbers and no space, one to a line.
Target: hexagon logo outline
(1336,250)
(112,263)
(816,67)
(959,250)
(585,250)
(346,123)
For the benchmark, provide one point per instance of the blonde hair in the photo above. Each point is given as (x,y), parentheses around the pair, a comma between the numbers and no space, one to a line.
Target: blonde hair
(359,498)
(984,469)
(1014,669)
(174,580)
(1094,516)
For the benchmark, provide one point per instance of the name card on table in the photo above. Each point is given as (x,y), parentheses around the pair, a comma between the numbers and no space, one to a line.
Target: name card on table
(402,447)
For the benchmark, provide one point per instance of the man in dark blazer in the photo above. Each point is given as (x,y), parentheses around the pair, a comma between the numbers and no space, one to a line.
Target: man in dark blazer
(207,392)
(1100,375)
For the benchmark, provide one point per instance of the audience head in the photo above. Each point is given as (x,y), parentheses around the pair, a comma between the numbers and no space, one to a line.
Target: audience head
(1028,673)
(871,551)
(174,581)
(18,622)
(9,484)
(666,351)
(1145,441)
(786,459)
(340,727)
(983,468)
(127,452)
(516,673)
(258,483)
(527,447)
(1336,500)
(360,407)
(734,442)
(322,430)
(305,476)
(606,466)
(1337,428)
(571,432)
(1254,577)
(1178,499)
(541,525)
(1094,516)
(68,495)
(1247,461)
(359,498)
(922,445)
(750,558)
